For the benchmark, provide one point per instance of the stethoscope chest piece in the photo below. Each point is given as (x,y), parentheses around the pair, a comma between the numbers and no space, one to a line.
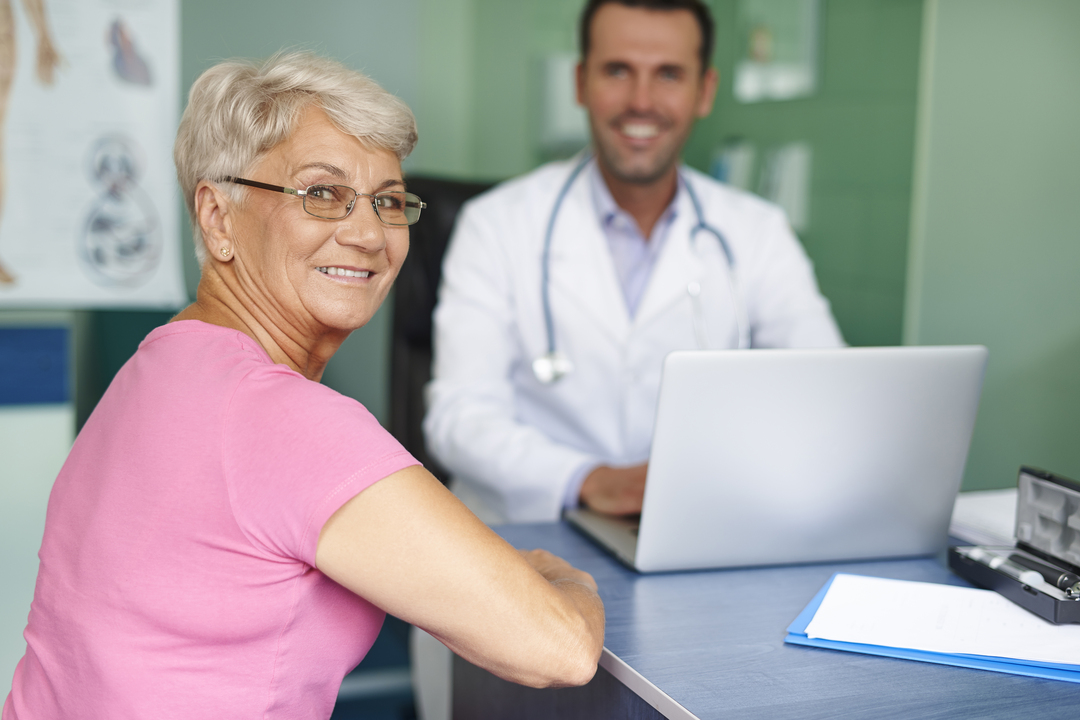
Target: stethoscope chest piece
(551,366)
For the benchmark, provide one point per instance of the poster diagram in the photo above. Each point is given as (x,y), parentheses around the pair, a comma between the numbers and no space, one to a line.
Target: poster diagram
(88,112)
(121,241)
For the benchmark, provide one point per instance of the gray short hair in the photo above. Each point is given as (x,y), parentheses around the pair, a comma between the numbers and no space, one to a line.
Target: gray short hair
(239,110)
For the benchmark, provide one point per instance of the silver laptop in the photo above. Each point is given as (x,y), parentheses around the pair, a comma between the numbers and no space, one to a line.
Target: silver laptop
(770,457)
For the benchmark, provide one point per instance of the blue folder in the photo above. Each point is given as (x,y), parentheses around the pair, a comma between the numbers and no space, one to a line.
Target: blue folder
(1052,671)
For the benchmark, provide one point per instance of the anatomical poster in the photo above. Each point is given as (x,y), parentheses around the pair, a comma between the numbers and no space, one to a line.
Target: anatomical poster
(88,112)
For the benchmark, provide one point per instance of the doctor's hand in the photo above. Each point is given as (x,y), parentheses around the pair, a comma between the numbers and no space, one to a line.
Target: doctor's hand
(615,491)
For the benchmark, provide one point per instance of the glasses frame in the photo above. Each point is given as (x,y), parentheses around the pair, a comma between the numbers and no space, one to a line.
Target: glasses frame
(302,194)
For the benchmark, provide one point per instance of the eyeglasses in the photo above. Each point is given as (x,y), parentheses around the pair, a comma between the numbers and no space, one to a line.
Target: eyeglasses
(334,202)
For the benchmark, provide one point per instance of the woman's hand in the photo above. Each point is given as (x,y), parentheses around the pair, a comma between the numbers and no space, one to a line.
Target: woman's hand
(554,569)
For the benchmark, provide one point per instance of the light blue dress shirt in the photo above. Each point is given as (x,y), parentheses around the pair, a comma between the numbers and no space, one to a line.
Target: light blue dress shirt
(634,256)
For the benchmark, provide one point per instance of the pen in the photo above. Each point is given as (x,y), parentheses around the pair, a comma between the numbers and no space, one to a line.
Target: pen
(1004,566)
(1058,578)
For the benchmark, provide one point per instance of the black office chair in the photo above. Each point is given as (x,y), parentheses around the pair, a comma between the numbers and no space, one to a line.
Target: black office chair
(415,294)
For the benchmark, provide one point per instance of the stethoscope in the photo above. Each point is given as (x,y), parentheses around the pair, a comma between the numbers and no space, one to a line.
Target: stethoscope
(554,364)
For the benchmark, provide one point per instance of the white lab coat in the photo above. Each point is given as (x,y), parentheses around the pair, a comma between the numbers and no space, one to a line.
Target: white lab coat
(514,444)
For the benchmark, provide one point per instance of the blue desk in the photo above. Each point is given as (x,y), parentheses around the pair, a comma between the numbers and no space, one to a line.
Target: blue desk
(711,645)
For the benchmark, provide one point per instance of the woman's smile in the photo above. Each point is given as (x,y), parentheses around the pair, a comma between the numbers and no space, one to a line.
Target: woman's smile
(344,273)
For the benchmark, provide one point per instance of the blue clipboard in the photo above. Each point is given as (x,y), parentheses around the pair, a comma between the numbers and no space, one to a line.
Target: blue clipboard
(1051,671)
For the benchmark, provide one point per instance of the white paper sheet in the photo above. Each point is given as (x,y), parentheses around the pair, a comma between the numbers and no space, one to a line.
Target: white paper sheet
(939,618)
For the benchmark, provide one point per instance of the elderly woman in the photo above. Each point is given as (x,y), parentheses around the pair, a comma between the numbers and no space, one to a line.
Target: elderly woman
(227,533)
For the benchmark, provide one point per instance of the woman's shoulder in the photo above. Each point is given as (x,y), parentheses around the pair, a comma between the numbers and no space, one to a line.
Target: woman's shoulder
(265,394)
(189,363)
(225,369)
(208,355)
(199,336)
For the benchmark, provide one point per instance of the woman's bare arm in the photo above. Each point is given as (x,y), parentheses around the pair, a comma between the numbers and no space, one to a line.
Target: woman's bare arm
(409,546)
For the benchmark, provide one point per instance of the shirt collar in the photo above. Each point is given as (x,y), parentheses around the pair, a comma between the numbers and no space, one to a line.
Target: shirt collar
(607,209)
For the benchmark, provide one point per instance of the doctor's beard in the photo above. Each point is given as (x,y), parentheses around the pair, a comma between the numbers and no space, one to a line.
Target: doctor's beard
(644,167)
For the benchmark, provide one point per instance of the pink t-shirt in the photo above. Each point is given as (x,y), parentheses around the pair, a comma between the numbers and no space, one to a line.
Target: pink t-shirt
(177,573)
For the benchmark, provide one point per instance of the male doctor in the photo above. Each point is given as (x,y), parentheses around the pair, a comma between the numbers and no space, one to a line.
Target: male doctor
(564,289)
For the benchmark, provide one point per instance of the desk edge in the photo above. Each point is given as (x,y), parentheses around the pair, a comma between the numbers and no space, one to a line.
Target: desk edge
(644,689)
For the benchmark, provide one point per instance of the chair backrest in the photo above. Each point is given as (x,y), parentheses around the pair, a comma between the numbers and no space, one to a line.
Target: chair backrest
(415,295)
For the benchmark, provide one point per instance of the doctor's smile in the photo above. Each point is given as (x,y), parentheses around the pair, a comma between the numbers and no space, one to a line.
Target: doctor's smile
(638,127)
(640,131)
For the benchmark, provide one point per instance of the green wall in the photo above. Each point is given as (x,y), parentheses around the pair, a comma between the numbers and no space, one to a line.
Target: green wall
(444,108)
(995,243)
(481,83)
(860,125)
